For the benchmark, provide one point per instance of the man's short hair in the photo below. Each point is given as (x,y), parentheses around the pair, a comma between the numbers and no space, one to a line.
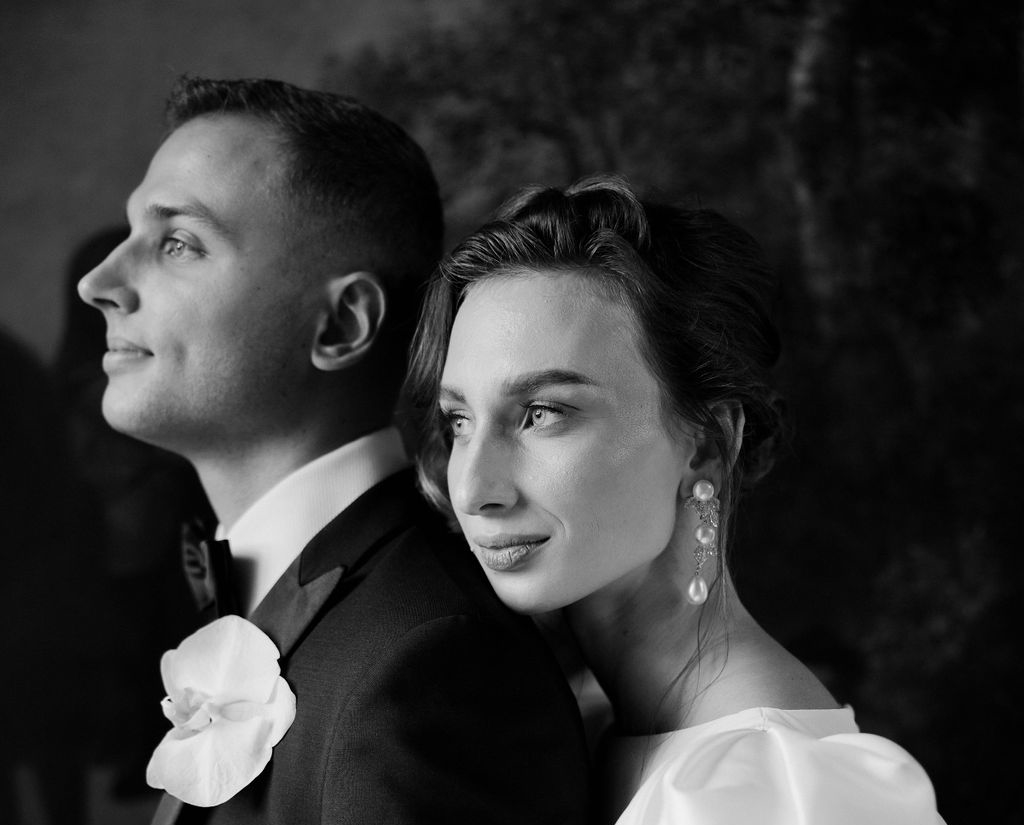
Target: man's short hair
(349,168)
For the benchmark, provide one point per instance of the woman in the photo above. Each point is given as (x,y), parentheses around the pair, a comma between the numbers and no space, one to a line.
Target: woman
(595,372)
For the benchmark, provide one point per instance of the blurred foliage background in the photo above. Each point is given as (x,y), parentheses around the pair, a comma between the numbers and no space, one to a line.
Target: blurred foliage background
(875,149)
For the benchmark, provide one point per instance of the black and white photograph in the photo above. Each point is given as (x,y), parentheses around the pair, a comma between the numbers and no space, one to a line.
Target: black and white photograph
(442,411)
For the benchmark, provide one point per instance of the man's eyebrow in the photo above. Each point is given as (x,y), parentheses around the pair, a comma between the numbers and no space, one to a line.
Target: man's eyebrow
(191,209)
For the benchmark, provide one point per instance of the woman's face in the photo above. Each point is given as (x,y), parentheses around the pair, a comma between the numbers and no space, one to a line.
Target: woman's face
(563,474)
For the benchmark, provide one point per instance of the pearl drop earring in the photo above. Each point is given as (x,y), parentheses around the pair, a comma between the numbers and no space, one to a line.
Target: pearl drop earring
(703,501)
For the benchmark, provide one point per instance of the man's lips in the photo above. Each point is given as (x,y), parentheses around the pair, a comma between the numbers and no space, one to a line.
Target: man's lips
(125,347)
(123,354)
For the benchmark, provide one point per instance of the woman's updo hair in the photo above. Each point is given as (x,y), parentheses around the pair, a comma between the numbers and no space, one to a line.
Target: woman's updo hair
(698,287)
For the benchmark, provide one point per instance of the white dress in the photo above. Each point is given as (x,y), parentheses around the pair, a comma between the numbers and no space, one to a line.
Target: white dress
(764,766)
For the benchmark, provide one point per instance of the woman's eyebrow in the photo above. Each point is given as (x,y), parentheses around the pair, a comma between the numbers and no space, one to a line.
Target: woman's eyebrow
(526,384)
(451,394)
(535,381)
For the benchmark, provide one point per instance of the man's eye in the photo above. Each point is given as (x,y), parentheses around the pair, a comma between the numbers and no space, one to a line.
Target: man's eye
(177,248)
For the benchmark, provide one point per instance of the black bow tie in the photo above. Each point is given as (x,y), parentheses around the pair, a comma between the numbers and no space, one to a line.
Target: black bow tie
(208,569)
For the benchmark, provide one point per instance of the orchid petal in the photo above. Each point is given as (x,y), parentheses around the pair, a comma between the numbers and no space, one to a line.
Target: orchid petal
(212,766)
(230,659)
(229,707)
(281,710)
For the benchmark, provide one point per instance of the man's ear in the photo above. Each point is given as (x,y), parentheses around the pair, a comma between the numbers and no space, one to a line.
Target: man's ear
(351,321)
(706,457)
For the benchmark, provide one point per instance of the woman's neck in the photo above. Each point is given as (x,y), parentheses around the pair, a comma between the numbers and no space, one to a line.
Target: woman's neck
(640,635)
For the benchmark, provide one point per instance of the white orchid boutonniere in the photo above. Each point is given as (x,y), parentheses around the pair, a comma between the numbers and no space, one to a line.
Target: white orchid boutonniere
(229,706)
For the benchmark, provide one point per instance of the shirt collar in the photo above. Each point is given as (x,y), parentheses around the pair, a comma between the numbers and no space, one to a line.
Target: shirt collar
(274,530)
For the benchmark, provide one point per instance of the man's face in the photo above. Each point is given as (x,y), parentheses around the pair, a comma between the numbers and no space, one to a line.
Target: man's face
(209,321)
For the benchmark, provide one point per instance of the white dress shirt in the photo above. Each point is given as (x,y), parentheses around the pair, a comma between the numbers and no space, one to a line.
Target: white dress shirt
(273,531)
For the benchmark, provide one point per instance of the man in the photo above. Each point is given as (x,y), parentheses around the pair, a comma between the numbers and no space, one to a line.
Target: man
(257,319)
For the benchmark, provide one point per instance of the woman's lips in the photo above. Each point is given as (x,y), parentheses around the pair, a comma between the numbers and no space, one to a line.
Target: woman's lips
(502,553)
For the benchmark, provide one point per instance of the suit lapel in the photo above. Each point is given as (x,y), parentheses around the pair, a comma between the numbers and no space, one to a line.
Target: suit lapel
(287,610)
(345,545)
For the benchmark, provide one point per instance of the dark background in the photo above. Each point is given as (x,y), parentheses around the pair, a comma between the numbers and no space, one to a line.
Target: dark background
(875,149)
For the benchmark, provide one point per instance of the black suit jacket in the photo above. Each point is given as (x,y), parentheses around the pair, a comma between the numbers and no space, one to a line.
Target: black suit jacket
(420,697)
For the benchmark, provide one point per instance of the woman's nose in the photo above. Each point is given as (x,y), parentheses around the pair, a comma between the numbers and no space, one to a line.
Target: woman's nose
(108,287)
(480,476)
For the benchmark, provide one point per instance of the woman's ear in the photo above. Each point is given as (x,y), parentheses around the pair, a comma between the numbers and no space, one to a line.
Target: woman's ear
(706,458)
(351,321)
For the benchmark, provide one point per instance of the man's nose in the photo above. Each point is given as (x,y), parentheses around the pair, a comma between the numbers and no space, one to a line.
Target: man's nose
(481,476)
(106,287)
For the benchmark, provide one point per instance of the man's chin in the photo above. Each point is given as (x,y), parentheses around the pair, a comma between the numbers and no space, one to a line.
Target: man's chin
(134,420)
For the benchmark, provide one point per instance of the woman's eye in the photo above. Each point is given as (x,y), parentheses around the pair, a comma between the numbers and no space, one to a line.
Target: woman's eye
(458,424)
(540,415)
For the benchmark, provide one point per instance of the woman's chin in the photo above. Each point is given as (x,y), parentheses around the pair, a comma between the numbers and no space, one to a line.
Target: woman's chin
(525,599)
